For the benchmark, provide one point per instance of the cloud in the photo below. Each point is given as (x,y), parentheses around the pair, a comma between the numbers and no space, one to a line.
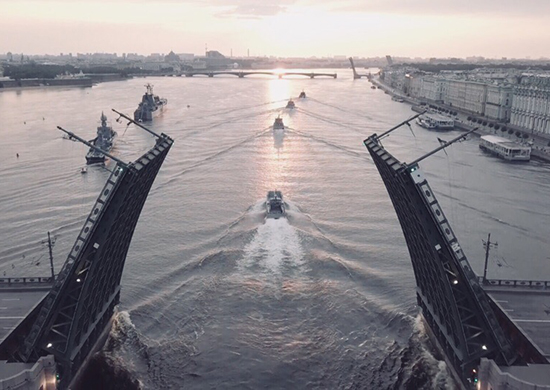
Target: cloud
(226,8)
(260,8)
(438,7)
(247,10)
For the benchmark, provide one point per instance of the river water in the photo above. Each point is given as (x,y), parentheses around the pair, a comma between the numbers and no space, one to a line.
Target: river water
(214,296)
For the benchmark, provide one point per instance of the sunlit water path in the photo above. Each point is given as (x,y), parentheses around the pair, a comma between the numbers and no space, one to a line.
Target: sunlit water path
(214,296)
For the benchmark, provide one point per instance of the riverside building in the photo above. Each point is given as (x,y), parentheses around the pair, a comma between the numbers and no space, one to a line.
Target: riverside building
(498,105)
(506,96)
(531,103)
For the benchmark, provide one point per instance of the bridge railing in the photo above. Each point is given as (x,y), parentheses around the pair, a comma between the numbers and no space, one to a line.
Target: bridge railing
(535,284)
(32,280)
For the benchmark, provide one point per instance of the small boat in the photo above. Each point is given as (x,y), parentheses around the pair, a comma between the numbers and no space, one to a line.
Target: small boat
(425,123)
(278,124)
(302,95)
(398,99)
(84,170)
(504,148)
(290,104)
(104,141)
(274,205)
(373,87)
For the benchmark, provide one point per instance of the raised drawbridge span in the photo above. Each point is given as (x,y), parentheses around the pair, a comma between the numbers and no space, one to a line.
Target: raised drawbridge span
(454,305)
(77,311)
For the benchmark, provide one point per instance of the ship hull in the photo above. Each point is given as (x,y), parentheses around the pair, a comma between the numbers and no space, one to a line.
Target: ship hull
(514,159)
(146,115)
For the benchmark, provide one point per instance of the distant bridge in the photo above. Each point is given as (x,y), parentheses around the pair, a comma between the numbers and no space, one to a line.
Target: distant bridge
(355,74)
(242,74)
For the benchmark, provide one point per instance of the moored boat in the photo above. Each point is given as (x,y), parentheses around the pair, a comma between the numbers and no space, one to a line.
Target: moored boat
(505,148)
(150,106)
(437,122)
(275,206)
(104,141)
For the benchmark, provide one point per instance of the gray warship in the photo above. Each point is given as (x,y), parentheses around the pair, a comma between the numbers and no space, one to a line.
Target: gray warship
(149,106)
(103,140)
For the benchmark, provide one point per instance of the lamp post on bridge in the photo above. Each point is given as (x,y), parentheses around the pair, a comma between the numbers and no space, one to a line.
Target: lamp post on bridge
(487,245)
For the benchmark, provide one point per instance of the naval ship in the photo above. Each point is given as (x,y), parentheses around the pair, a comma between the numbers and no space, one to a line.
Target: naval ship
(150,106)
(103,141)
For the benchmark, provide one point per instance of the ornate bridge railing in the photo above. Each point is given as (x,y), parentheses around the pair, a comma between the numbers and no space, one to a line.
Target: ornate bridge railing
(532,284)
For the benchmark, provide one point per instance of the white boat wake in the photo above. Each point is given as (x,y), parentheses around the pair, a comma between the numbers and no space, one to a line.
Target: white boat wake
(275,246)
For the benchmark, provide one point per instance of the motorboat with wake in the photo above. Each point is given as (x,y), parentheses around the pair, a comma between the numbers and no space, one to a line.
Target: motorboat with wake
(302,95)
(104,141)
(278,124)
(275,206)
(290,104)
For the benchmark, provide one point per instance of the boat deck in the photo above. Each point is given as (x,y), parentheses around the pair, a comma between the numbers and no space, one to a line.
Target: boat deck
(17,301)
(529,309)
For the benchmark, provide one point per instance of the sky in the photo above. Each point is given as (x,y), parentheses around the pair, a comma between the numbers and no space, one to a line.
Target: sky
(286,28)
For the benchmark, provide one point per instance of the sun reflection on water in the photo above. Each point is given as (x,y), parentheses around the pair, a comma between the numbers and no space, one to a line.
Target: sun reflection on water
(279,89)
(278,163)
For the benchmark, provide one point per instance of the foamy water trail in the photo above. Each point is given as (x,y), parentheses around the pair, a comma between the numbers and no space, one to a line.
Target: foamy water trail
(276,246)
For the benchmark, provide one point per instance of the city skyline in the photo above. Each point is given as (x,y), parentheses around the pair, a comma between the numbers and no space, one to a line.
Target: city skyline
(284,28)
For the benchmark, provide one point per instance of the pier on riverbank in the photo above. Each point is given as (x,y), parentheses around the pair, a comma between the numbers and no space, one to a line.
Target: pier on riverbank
(540,146)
